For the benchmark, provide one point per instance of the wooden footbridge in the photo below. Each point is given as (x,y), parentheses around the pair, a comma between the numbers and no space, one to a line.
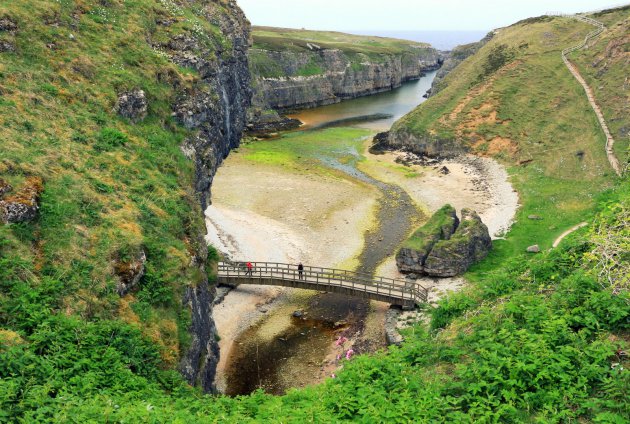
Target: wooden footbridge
(397,292)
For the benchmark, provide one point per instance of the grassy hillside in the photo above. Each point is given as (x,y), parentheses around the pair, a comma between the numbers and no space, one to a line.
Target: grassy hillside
(279,39)
(605,68)
(516,101)
(542,340)
(536,339)
(356,48)
(112,189)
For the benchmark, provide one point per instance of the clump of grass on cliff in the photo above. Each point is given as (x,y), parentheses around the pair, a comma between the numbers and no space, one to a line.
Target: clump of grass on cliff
(515,100)
(111,189)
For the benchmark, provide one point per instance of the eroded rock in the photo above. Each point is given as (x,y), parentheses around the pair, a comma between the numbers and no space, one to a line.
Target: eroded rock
(5,187)
(470,243)
(5,46)
(132,105)
(130,273)
(412,256)
(445,246)
(7,24)
(23,205)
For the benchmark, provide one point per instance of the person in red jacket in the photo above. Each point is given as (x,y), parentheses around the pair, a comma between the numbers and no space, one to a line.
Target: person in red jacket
(249,268)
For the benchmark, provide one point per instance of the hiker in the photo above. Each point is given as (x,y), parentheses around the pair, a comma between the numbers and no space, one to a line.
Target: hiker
(249,268)
(300,269)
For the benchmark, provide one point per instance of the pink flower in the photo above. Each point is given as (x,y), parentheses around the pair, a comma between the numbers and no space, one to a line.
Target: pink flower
(349,353)
(341,340)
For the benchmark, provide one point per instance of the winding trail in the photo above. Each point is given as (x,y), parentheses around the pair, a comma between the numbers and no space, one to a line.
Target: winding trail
(567,232)
(610,141)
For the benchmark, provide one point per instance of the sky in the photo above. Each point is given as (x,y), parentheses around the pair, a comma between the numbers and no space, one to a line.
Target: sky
(413,15)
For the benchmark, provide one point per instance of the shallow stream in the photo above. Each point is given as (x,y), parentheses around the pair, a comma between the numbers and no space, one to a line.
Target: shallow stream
(283,351)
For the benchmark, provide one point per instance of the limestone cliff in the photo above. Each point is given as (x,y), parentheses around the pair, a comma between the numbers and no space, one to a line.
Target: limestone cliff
(107,156)
(301,69)
(215,109)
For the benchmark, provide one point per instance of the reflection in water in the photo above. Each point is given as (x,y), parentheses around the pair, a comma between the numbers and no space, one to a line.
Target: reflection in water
(395,103)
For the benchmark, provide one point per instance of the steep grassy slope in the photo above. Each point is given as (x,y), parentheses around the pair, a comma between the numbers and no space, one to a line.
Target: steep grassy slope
(116,192)
(605,65)
(541,340)
(516,101)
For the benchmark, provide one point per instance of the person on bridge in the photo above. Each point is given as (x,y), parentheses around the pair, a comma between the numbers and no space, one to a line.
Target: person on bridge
(300,270)
(249,268)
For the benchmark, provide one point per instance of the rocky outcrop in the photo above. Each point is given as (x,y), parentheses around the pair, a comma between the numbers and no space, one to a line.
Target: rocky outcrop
(445,246)
(401,138)
(130,272)
(132,105)
(412,256)
(7,26)
(341,77)
(23,205)
(469,244)
(5,187)
(215,110)
(261,123)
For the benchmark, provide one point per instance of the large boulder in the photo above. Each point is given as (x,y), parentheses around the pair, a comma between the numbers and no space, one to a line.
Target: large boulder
(470,243)
(412,256)
(444,246)
(23,205)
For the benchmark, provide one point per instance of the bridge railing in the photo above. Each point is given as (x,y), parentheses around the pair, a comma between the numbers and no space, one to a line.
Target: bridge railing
(326,277)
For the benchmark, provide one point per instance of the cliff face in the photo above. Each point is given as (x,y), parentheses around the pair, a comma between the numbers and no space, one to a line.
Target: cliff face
(215,109)
(108,151)
(301,69)
(342,78)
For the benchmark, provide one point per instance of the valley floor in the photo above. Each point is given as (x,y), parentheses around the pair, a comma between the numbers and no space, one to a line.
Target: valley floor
(296,213)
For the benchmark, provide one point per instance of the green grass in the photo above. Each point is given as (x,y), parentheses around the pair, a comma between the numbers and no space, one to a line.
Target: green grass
(531,340)
(355,49)
(110,186)
(604,67)
(426,236)
(281,39)
(298,148)
(555,148)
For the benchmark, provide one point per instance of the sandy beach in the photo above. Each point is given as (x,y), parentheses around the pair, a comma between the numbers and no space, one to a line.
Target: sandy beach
(266,213)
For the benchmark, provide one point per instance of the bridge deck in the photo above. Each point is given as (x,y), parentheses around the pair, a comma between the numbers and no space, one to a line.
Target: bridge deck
(396,292)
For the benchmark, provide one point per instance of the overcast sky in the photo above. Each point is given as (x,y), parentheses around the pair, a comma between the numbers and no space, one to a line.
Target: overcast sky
(407,14)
